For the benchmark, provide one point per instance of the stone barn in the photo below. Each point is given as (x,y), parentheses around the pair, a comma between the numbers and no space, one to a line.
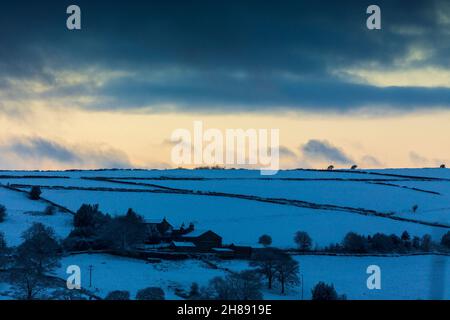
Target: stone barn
(203,239)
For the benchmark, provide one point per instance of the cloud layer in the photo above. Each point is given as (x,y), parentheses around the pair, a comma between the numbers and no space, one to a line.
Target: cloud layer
(224,57)
(37,152)
(324,151)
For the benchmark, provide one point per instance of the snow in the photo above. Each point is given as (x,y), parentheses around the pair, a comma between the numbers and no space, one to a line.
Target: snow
(418,172)
(241,221)
(70,183)
(23,212)
(117,273)
(185,173)
(222,250)
(183,244)
(378,197)
(5,291)
(405,278)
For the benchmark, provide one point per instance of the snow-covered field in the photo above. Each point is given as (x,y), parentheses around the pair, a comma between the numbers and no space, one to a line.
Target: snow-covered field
(239,221)
(23,212)
(404,278)
(242,221)
(66,182)
(414,277)
(116,273)
(356,194)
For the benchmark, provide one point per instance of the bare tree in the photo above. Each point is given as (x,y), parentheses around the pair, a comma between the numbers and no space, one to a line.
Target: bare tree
(39,253)
(40,250)
(28,283)
(303,241)
(3,251)
(245,285)
(266,262)
(287,272)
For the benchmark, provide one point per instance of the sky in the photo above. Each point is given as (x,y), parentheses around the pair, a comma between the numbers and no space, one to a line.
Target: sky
(112,93)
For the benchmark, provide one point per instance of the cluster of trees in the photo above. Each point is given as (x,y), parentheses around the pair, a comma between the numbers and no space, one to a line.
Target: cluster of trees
(382,243)
(377,243)
(277,267)
(323,291)
(244,285)
(247,285)
(96,230)
(150,293)
(28,264)
(301,239)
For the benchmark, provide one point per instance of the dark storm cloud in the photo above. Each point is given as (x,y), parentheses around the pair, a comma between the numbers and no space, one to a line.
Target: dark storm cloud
(242,55)
(35,147)
(254,94)
(38,149)
(323,150)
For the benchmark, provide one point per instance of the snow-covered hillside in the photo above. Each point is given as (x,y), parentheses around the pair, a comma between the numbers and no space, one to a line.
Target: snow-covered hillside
(240,206)
(239,220)
(404,278)
(414,277)
(23,212)
(115,273)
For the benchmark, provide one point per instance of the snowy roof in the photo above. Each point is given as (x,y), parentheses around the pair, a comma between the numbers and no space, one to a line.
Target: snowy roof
(154,246)
(196,233)
(223,250)
(183,244)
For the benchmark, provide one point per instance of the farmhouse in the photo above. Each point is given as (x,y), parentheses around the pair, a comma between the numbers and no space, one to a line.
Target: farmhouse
(189,239)
(203,239)
(157,229)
